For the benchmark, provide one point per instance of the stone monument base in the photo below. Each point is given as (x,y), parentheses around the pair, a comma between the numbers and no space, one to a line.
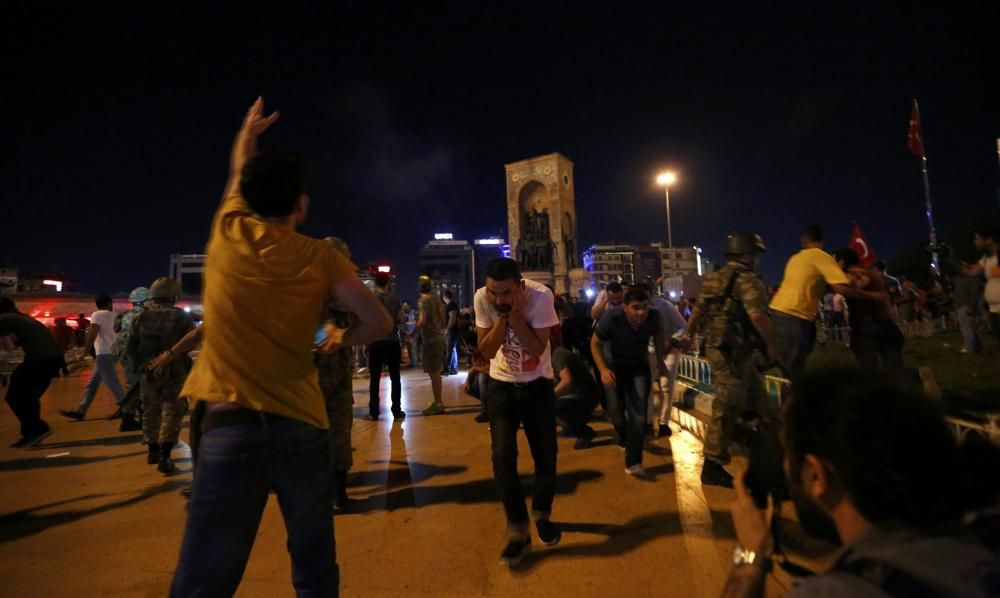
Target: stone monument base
(546,278)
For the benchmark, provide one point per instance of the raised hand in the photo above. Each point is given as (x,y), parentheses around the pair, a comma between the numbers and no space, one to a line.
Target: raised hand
(255,123)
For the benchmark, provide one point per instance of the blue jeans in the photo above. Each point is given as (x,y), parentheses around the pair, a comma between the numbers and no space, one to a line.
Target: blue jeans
(795,339)
(104,371)
(532,404)
(971,341)
(628,402)
(627,408)
(237,466)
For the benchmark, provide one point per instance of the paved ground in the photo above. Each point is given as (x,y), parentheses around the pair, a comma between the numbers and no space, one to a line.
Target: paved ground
(84,515)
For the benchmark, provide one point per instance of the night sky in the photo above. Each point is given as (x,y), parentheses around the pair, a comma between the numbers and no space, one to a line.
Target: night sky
(117,126)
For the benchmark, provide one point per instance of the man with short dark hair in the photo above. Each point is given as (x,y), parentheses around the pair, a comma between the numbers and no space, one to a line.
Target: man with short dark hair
(265,425)
(850,440)
(514,319)
(451,311)
(627,330)
(876,340)
(30,380)
(987,241)
(100,339)
(386,351)
(612,295)
(808,275)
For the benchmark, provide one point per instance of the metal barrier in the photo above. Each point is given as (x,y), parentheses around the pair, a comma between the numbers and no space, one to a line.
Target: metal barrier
(695,370)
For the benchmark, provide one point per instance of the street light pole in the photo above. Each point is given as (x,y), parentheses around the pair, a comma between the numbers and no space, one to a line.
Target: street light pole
(666,179)
(670,232)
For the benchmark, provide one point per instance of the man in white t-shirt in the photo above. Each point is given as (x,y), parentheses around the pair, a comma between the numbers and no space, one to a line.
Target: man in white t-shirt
(986,241)
(514,318)
(100,337)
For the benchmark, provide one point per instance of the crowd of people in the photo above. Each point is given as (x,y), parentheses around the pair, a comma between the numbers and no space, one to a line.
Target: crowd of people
(273,410)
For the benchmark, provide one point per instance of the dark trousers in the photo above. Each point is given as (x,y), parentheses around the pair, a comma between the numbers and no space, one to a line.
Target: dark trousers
(237,467)
(28,382)
(531,404)
(628,403)
(384,353)
(479,388)
(796,339)
(573,414)
(450,352)
(878,344)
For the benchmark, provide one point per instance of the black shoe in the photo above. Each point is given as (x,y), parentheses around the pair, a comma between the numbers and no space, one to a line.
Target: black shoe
(34,438)
(19,443)
(482,418)
(585,439)
(153,456)
(73,415)
(118,413)
(129,424)
(371,417)
(664,431)
(452,372)
(166,464)
(714,474)
(515,550)
(548,533)
(186,492)
(399,415)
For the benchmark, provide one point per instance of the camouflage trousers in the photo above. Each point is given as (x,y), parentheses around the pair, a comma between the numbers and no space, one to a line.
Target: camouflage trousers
(337,383)
(738,387)
(163,409)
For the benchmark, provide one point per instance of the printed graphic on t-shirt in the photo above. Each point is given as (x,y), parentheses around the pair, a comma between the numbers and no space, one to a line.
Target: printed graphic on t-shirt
(517,357)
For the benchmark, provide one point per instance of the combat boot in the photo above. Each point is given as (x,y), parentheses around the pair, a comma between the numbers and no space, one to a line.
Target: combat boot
(166,465)
(153,457)
(129,423)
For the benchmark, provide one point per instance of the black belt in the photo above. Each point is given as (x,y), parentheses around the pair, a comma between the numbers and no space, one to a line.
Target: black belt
(534,382)
(240,416)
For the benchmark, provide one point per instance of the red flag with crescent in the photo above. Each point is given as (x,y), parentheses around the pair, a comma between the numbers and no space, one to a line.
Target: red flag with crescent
(859,244)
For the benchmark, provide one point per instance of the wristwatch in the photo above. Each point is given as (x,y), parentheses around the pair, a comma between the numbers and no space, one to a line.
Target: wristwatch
(742,556)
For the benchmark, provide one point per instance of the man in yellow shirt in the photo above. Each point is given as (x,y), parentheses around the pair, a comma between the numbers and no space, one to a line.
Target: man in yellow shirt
(808,275)
(265,423)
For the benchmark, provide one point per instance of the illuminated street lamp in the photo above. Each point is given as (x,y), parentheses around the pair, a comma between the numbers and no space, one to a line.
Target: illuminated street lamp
(666,179)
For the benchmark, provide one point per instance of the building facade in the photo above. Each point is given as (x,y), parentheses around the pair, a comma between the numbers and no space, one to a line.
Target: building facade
(635,264)
(450,265)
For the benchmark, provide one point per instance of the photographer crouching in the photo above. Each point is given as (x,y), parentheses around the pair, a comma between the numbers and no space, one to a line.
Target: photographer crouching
(871,464)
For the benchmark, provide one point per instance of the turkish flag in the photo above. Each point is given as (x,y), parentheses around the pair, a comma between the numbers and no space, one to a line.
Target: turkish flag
(860,246)
(915,140)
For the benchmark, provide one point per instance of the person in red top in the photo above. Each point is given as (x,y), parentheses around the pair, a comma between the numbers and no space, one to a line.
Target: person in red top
(875,339)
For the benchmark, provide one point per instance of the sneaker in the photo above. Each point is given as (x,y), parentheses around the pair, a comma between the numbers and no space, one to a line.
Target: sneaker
(73,415)
(482,418)
(585,439)
(636,470)
(664,431)
(514,551)
(548,533)
(434,409)
(714,474)
(398,415)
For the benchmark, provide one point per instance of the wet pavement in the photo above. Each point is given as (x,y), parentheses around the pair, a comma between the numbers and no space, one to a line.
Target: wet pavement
(82,514)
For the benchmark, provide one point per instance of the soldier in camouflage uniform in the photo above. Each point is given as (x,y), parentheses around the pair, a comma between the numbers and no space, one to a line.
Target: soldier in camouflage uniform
(336,380)
(123,327)
(155,330)
(732,307)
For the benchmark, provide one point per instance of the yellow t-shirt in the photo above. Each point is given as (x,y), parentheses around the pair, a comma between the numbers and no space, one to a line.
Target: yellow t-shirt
(264,288)
(807,275)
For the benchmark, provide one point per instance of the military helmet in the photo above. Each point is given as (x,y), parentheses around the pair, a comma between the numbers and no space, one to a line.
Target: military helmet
(739,243)
(138,295)
(164,288)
